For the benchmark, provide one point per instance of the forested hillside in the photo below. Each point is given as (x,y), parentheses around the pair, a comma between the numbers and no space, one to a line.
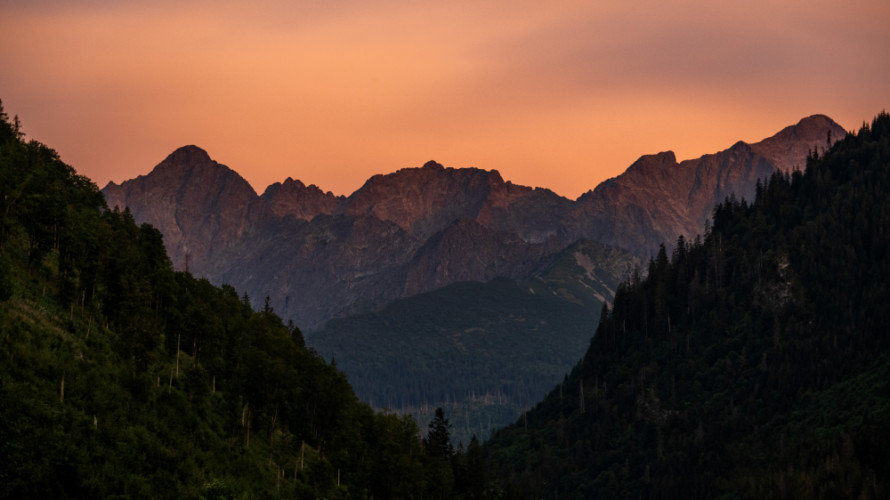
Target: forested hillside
(122,378)
(752,364)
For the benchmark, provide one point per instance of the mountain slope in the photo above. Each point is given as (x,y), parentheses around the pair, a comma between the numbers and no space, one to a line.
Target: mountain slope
(328,267)
(750,365)
(468,251)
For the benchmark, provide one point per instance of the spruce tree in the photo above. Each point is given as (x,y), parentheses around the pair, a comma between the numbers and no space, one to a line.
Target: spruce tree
(438,441)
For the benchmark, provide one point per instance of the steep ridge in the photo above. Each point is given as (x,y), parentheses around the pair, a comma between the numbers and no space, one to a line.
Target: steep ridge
(657,199)
(813,133)
(426,200)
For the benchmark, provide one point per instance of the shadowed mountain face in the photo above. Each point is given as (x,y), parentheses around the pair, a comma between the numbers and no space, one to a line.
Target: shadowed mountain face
(318,256)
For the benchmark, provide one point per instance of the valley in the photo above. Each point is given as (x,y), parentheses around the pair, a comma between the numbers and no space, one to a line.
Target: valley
(701,359)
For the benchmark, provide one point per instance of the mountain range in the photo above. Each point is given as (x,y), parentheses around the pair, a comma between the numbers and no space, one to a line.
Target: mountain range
(383,260)
(318,256)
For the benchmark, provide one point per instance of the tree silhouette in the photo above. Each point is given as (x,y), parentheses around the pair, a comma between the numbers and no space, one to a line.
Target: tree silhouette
(438,441)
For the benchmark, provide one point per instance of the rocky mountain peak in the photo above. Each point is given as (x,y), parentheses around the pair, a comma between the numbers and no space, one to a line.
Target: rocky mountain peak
(812,127)
(292,183)
(187,155)
(424,200)
(200,206)
(176,169)
(190,168)
(292,197)
(648,165)
(788,149)
(656,198)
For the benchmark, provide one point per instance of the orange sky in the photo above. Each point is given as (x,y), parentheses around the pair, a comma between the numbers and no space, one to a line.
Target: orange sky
(558,94)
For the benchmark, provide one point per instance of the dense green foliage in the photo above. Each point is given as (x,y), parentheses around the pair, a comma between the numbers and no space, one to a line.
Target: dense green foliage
(122,378)
(752,364)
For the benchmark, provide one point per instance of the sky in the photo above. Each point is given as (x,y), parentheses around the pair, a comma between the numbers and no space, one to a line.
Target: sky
(556,94)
